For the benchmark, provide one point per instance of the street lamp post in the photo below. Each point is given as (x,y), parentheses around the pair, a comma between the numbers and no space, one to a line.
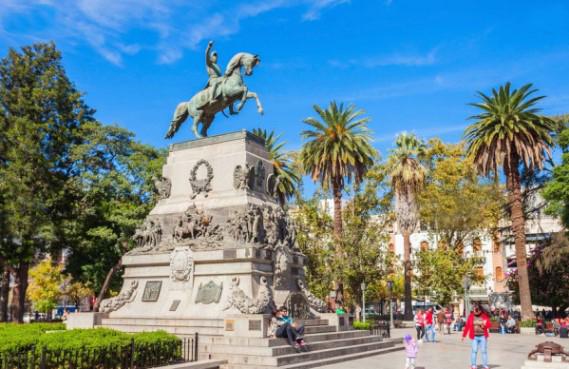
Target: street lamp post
(363,286)
(466,285)
(390,287)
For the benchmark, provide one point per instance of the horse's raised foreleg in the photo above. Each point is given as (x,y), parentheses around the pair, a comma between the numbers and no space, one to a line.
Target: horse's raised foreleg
(253,95)
(243,99)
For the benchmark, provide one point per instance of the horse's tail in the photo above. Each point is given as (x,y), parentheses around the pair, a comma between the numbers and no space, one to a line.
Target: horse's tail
(180,115)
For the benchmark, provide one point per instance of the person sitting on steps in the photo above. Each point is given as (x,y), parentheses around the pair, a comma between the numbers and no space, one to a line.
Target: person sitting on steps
(283,326)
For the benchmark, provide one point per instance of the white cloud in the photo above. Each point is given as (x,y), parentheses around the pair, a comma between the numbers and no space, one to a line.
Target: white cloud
(317,6)
(177,25)
(396,59)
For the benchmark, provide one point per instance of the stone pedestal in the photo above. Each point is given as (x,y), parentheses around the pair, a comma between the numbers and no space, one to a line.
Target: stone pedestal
(555,363)
(216,244)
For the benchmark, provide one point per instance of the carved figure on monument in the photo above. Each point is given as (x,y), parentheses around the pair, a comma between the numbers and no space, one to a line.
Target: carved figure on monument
(245,304)
(148,235)
(259,176)
(255,229)
(197,225)
(115,303)
(162,187)
(221,92)
(313,301)
(242,177)
(282,258)
(201,184)
(181,264)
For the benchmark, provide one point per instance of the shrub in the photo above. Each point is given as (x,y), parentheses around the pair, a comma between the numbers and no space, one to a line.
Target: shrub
(530,323)
(362,325)
(85,348)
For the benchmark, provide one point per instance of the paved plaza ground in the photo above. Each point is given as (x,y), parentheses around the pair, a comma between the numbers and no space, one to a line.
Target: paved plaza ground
(504,351)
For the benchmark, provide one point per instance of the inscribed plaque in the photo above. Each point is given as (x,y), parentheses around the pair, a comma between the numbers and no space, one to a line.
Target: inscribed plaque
(151,291)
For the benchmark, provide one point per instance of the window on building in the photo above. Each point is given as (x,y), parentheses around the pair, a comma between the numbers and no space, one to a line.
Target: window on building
(391,247)
(479,271)
(477,245)
(497,246)
(424,245)
(499,274)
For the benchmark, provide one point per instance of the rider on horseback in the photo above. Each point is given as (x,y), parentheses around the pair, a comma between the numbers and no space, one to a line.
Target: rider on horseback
(213,70)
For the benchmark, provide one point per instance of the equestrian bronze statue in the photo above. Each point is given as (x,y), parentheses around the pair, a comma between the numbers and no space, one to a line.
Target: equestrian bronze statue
(220,92)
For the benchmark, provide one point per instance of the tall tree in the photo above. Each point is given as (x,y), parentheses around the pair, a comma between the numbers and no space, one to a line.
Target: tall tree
(338,149)
(407,177)
(510,134)
(40,113)
(556,191)
(113,187)
(286,178)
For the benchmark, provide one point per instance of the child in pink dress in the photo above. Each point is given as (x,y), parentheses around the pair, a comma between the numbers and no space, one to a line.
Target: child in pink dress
(411,350)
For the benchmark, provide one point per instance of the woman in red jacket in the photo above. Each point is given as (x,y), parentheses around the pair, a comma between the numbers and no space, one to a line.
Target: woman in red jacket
(477,326)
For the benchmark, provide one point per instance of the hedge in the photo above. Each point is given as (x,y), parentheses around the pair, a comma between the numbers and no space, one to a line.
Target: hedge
(86,347)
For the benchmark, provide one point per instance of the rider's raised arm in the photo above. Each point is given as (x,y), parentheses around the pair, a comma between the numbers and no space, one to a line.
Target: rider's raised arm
(207,54)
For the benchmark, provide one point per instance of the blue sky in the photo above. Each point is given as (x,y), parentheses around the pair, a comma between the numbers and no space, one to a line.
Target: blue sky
(412,65)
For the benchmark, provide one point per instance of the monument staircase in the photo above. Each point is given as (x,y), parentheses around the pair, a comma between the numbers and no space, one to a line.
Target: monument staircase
(325,343)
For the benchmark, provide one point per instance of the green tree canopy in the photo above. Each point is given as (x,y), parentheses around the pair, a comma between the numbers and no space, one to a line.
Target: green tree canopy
(337,149)
(456,204)
(286,178)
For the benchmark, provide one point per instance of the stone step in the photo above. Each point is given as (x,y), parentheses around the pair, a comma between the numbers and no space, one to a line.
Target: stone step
(179,331)
(319,329)
(324,345)
(320,362)
(286,349)
(272,342)
(217,323)
(311,322)
(289,359)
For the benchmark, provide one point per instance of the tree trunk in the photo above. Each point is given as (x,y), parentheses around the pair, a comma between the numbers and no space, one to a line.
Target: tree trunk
(518,227)
(4,292)
(106,284)
(408,273)
(337,192)
(19,292)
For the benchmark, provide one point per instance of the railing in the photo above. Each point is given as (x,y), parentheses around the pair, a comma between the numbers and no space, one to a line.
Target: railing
(380,328)
(137,356)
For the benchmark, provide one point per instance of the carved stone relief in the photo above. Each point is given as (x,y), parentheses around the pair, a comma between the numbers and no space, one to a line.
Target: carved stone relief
(115,303)
(243,177)
(162,187)
(181,264)
(271,185)
(265,225)
(151,291)
(196,225)
(201,184)
(282,259)
(313,301)
(148,235)
(247,305)
(260,176)
(210,293)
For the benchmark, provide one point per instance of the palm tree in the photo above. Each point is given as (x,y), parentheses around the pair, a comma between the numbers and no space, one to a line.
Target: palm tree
(287,178)
(407,177)
(338,149)
(509,133)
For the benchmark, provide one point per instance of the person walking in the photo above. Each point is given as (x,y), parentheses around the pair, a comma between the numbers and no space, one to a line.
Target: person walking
(430,334)
(420,324)
(441,320)
(477,326)
(411,350)
(448,319)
